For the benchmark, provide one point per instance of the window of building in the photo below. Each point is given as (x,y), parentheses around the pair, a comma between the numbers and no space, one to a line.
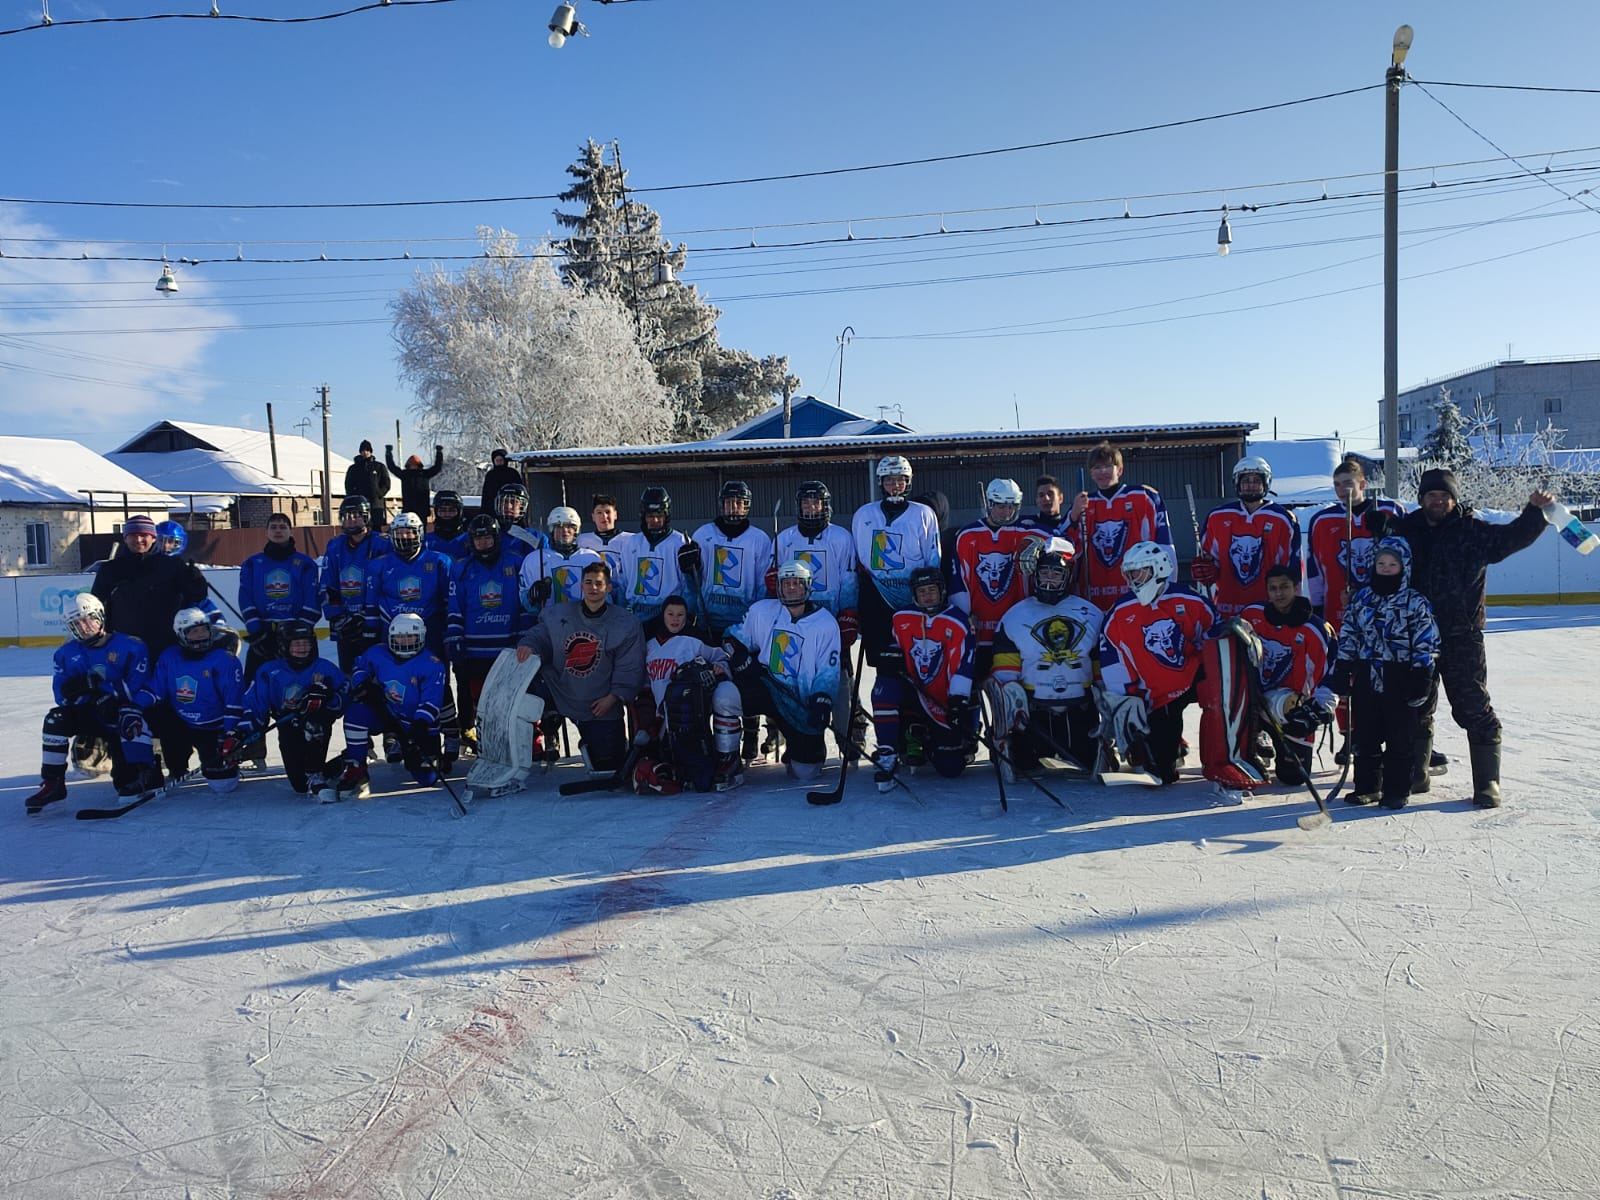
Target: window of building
(38,544)
(1552,404)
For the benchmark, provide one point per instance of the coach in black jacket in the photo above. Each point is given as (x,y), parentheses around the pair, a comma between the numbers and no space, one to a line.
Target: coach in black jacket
(143,589)
(1451,549)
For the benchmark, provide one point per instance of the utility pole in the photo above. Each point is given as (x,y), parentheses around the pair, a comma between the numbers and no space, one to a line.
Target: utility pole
(844,340)
(1391,261)
(272,441)
(327,462)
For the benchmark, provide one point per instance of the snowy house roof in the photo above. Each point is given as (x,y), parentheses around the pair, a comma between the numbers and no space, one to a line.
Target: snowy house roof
(202,480)
(51,471)
(299,459)
(809,418)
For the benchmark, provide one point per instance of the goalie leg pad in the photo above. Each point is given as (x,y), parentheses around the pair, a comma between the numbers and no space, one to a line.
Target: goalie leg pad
(1227,733)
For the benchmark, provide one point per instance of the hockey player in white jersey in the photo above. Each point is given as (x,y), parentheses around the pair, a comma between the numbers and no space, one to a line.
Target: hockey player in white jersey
(553,574)
(734,557)
(830,552)
(893,537)
(607,538)
(654,559)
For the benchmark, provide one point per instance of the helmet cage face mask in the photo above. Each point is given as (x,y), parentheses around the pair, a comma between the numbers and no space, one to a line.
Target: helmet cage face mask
(84,617)
(1146,568)
(354,515)
(407,634)
(190,622)
(1052,578)
(813,496)
(794,582)
(511,503)
(405,532)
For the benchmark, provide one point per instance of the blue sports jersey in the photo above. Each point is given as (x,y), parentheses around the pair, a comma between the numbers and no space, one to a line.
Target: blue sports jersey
(277,689)
(486,613)
(344,573)
(272,590)
(413,688)
(206,692)
(120,667)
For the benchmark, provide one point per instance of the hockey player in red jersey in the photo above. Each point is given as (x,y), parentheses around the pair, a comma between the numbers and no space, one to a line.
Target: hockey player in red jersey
(922,703)
(1244,537)
(987,578)
(1159,653)
(1297,652)
(1105,523)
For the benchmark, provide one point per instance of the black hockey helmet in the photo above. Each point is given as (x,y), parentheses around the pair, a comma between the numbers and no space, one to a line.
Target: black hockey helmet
(813,489)
(294,631)
(483,525)
(511,493)
(355,506)
(1054,570)
(445,498)
(655,500)
(926,577)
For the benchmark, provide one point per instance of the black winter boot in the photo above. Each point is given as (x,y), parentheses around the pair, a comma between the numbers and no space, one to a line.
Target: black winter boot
(1421,752)
(1364,783)
(1485,773)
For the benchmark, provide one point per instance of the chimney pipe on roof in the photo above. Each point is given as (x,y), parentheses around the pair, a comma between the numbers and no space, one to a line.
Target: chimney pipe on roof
(788,411)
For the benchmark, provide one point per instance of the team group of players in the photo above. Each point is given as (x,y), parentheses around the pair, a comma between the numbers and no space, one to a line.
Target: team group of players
(1061,636)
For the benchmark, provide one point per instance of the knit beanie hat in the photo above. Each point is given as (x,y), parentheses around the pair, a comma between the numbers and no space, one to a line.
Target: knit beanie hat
(140,524)
(1439,479)
(365,445)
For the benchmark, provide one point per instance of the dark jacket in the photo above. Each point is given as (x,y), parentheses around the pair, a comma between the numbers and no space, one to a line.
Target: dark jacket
(414,495)
(368,477)
(1450,560)
(143,592)
(494,480)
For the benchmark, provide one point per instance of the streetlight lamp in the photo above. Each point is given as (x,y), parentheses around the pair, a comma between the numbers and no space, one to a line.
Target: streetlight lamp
(1391,260)
(564,24)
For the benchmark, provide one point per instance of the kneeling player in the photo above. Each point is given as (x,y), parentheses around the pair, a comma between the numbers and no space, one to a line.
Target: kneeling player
(695,713)
(397,687)
(304,693)
(1297,656)
(922,700)
(1045,659)
(96,674)
(193,699)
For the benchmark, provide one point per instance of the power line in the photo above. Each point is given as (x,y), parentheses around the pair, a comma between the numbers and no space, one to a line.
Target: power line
(49,22)
(1508,87)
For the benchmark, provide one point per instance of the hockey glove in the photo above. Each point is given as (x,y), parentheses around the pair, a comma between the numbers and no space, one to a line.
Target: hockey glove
(264,641)
(1377,522)
(314,699)
(108,710)
(131,725)
(1129,716)
(740,659)
(689,560)
(538,594)
(76,687)
(849,628)
(771,582)
(1204,570)
(888,662)
(346,627)
(228,750)
(819,711)
(1028,555)
(960,710)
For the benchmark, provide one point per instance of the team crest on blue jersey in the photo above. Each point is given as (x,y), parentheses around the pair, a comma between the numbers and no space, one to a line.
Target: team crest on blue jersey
(1245,553)
(726,564)
(292,694)
(352,581)
(927,656)
(1109,539)
(276,585)
(1164,640)
(647,578)
(186,689)
(994,570)
(784,659)
(489,595)
(1276,659)
(1060,636)
(410,590)
(394,692)
(817,560)
(888,551)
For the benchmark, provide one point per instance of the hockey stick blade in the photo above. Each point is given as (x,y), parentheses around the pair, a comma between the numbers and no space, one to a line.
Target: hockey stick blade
(1317,820)
(106,814)
(610,783)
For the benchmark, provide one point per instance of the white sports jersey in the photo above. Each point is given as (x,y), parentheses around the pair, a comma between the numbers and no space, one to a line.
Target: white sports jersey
(890,550)
(663,657)
(800,657)
(733,573)
(831,555)
(565,573)
(1048,648)
(650,573)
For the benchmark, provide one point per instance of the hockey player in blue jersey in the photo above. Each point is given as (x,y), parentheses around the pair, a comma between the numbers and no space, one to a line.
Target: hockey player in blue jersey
(398,686)
(486,615)
(784,657)
(344,578)
(304,693)
(193,699)
(448,535)
(511,504)
(97,673)
(277,585)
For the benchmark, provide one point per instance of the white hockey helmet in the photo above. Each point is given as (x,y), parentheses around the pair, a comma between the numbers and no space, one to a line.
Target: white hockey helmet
(84,616)
(1146,567)
(1253,464)
(895,464)
(407,634)
(999,493)
(562,515)
(794,569)
(405,531)
(186,621)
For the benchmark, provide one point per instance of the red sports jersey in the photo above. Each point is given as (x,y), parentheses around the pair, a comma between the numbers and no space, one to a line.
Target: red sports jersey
(1244,545)
(1327,573)
(1293,656)
(937,656)
(1132,513)
(1155,649)
(987,579)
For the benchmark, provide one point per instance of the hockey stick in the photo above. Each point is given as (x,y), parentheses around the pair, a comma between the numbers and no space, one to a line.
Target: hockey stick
(1194,519)
(461,809)
(105,814)
(999,756)
(836,794)
(211,587)
(610,783)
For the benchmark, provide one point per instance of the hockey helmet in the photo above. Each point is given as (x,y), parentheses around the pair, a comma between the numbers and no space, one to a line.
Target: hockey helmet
(444,499)
(1054,571)
(1003,494)
(84,616)
(922,579)
(1146,568)
(655,500)
(195,631)
(407,635)
(511,502)
(405,531)
(484,526)
(355,508)
(172,539)
(891,465)
(298,633)
(1252,464)
(563,519)
(813,494)
(735,496)
(794,570)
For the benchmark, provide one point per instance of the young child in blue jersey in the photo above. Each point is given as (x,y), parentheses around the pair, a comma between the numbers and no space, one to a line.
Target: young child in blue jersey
(448,535)
(486,614)
(1387,649)
(304,693)
(345,562)
(398,687)
(97,674)
(193,698)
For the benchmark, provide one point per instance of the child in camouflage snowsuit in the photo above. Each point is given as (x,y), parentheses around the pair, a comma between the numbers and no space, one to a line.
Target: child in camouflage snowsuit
(1387,649)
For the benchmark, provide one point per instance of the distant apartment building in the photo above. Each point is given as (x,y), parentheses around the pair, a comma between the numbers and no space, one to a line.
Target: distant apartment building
(1536,392)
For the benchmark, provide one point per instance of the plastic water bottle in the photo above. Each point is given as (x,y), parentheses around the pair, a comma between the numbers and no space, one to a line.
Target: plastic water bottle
(1581,539)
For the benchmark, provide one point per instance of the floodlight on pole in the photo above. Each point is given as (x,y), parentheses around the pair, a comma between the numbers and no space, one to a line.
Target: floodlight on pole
(167,285)
(564,23)
(1224,234)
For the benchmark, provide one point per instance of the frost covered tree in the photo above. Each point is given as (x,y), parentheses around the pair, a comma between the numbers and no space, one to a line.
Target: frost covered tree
(506,353)
(1446,444)
(615,248)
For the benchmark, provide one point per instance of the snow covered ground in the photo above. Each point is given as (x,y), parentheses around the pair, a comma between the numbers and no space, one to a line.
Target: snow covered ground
(744,996)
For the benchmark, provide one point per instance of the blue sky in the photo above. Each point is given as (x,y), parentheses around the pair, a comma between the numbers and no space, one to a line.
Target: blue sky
(1119,321)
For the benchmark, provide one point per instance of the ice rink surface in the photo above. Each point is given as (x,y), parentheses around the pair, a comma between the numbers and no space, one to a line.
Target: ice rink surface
(1145,993)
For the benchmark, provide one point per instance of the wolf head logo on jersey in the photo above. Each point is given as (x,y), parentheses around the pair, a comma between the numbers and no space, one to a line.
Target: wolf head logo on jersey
(1109,539)
(186,689)
(817,560)
(726,564)
(647,578)
(1361,570)
(1276,659)
(489,595)
(926,657)
(994,572)
(888,553)
(1245,554)
(1060,637)
(784,659)
(410,590)
(1163,640)
(276,585)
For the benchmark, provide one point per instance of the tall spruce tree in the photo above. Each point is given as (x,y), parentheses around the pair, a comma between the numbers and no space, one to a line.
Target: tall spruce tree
(1446,444)
(615,248)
